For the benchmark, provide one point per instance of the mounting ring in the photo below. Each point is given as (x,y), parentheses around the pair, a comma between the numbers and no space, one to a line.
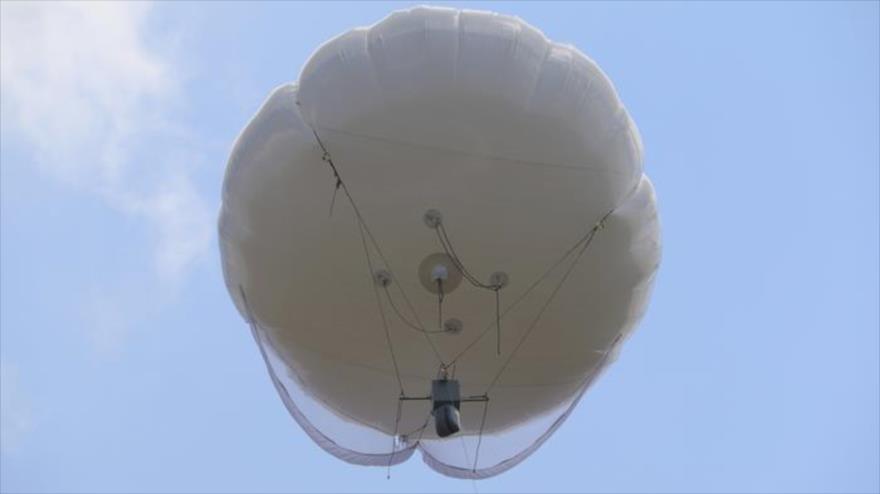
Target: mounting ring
(433,267)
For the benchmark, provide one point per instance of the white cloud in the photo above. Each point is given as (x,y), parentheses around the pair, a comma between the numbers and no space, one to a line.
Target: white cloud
(86,91)
(15,414)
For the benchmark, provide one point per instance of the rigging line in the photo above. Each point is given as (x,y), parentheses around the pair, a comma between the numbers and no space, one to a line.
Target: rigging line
(537,318)
(498,321)
(516,302)
(450,251)
(467,457)
(467,460)
(531,287)
(439,303)
(394,437)
(424,426)
(262,338)
(257,330)
(404,319)
(460,152)
(455,260)
(480,438)
(327,158)
(427,419)
(335,191)
(442,229)
(447,248)
(381,310)
(418,320)
(443,236)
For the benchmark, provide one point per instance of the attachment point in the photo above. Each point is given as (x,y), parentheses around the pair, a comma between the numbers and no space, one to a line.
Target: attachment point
(453,326)
(382,278)
(499,280)
(433,219)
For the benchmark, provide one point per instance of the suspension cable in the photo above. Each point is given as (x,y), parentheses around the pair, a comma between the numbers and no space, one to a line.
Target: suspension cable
(498,322)
(366,229)
(439,303)
(394,436)
(495,286)
(403,319)
(480,437)
(448,248)
(543,309)
(381,310)
(450,252)
(532,287)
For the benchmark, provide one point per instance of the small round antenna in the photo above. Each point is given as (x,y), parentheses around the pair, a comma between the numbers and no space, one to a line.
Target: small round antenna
(439,266)
(499,280)
(382,278)
(433,219)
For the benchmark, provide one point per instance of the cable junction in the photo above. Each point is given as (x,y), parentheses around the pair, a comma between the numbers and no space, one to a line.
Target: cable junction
(497,280)
(364,229)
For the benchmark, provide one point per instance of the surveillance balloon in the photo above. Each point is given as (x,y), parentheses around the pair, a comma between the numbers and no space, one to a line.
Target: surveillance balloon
(440,235)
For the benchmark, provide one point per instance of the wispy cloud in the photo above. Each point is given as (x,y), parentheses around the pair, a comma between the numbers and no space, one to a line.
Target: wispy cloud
(88,92)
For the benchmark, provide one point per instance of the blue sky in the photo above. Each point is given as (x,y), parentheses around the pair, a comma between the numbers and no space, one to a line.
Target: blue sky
(126,368)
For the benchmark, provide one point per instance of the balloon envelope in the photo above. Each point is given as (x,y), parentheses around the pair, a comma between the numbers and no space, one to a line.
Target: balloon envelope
(523,146)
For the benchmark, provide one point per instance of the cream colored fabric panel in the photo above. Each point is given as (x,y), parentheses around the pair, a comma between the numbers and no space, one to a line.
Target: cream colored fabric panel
(523,145)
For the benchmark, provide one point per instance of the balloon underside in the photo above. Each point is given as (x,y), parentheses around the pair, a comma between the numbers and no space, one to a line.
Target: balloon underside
(523,146)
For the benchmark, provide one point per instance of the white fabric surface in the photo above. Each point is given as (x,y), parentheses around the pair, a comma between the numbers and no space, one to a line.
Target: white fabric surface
(523,145)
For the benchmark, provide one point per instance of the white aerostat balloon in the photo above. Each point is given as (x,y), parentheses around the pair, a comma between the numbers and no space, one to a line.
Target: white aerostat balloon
(444,197)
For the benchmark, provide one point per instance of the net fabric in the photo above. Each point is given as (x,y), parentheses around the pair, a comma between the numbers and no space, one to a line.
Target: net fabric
(353,443)
(466,457)
(470,455)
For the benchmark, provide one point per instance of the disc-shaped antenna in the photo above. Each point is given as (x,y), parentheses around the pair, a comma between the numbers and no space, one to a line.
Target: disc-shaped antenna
(427,270)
